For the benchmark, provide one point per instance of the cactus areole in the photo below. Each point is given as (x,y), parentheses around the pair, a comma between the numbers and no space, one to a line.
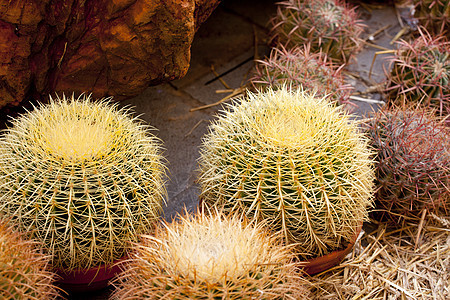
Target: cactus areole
(83,177)
(293,160)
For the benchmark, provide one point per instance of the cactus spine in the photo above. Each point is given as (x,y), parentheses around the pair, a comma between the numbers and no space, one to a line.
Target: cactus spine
(84,178)
(291,159)
(23,269)
(208,256)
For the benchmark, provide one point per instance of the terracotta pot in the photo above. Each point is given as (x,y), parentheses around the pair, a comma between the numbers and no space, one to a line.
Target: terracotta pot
(319,264)
(87,280)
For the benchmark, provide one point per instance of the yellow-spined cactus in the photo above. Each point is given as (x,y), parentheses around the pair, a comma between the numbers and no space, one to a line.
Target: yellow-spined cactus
(24,270)
(85,178)
(208,256)
(293,160)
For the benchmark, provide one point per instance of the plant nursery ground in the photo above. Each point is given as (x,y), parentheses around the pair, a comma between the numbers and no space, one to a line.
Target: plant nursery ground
(408,263)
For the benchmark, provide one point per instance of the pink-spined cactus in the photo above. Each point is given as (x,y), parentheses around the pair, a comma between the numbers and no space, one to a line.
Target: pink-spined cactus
(331,26)
(420,74)
(413,162)
(299,67)
(433,15)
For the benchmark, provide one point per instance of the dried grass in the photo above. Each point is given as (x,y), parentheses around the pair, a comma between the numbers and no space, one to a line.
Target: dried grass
(408,263)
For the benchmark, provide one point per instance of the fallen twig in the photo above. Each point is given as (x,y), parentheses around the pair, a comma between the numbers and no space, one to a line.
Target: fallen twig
(384,265)
(193,128)
(356,98)
(236,92)
(375,57)
(399,34)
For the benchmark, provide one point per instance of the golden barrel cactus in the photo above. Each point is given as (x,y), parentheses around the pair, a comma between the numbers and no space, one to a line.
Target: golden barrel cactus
(209,256)
(293,160)
(84,178)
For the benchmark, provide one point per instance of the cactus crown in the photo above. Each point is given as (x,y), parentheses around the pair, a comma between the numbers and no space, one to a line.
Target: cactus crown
(299,67)
(23,269)
(219,256)
(74,135)
(293,160)
(83,177)
(413,170)
(328,25)
(421,74)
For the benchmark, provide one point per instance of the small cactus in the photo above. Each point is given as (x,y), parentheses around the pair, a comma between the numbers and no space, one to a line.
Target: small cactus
(209,256)
(330,26)
(24,270)
(84,178)
(293,160)
(299,67)
(421,74)
(433,15)
(413,169)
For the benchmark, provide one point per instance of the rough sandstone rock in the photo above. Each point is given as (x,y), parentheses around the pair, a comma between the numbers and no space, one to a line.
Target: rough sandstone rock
(107,47)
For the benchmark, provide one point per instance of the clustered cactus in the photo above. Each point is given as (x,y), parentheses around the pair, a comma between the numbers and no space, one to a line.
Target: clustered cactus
(84,178)
(421,74)
(299,68)
(209,256)
(413,162)
(330,26)
(433,15)
(293,160)
(24,270)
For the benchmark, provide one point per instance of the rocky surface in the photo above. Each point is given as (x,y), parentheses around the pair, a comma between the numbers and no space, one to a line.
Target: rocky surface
(109,47)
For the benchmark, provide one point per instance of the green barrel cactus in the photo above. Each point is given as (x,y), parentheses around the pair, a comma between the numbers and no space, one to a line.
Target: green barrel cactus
(24,270)
(293,160)
(209,256)
(84,178)
(330,26)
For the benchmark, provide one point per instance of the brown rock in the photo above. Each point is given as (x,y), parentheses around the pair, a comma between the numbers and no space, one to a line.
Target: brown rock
(107,47)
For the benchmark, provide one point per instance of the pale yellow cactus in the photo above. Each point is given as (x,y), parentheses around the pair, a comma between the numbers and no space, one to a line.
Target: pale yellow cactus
(209,256)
